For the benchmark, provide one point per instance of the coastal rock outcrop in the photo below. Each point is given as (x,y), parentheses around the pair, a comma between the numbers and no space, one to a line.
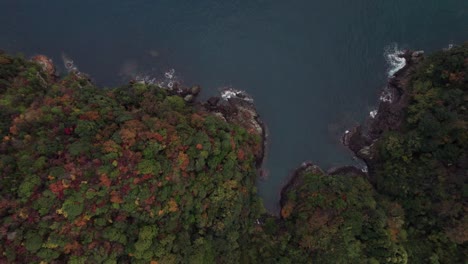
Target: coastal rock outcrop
(238,108)
(46,64)
(362,138)
(389,115)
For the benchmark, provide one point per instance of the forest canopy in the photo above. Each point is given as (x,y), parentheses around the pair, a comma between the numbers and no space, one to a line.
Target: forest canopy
(137,174)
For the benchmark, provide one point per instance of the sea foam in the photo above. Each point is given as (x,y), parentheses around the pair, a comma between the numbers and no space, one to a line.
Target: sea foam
(393,56)
(168,81)
(228,93)
(68,63)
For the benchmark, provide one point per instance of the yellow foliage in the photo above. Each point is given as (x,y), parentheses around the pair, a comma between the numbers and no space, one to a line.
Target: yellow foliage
(61,212)
(110,146)
(173,206)
(23,214)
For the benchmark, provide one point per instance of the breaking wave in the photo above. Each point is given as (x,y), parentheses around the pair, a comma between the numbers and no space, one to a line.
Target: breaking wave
(68,63)
(230,93)
(169,80)
(395,61)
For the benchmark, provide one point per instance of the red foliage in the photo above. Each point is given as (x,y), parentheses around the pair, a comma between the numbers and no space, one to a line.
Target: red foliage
(121,218)
(199,146)
(240,155)
(150,200)
(57,188)
(125,189)
(343,197)
(123,169)
(158,137)
(72,247)
(197,120)
(92,245)
(146,177)
(69,130)
(115,197)
(33,217)
(105,181)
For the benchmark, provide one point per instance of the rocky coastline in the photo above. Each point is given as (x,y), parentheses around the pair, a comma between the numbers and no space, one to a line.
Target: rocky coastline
(239,109)
(362,139)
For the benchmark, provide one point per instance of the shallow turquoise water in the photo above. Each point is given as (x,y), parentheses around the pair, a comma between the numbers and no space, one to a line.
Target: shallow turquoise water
(314,68)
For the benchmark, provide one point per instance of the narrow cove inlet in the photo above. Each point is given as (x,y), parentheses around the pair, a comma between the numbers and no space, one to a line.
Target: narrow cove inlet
(233,132)
(314,69)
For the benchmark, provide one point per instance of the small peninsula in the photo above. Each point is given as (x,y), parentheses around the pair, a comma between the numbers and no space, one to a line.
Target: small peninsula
(145,174)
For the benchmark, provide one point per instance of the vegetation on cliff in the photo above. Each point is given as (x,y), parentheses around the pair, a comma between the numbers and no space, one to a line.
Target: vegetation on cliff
(423,165)
(136,174)
(127,174)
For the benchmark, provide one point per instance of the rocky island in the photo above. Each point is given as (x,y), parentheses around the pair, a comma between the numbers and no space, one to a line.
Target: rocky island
(146,174)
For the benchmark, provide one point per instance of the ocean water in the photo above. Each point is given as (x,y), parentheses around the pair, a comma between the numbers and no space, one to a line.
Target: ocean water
(314,68)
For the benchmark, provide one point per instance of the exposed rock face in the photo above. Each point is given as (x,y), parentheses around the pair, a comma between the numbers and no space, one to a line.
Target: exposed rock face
(390,114)
(361,139)
(188,94)
(244,114)
(237,110)
(346,170)
(195,90)
(46,64)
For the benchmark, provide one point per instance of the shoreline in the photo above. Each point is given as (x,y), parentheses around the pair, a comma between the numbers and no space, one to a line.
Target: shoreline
(361,139)
(238,108)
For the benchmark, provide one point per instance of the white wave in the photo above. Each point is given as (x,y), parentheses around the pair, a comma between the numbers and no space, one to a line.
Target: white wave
(364,169)
(373,113)
(169,74)
(68,63)
(168,81)
(393,56)
(229,93)
(449,47)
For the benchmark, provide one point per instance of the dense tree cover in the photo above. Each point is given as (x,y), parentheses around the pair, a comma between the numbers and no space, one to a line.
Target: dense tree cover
(416,210)
(129,174)
(423,166)
(135,174)
(338,219)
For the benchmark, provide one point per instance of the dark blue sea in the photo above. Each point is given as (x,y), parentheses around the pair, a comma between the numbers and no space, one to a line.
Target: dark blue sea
(314,68)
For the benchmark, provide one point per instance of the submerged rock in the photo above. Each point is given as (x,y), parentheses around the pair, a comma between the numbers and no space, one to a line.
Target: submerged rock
(195,90)
(212,102)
